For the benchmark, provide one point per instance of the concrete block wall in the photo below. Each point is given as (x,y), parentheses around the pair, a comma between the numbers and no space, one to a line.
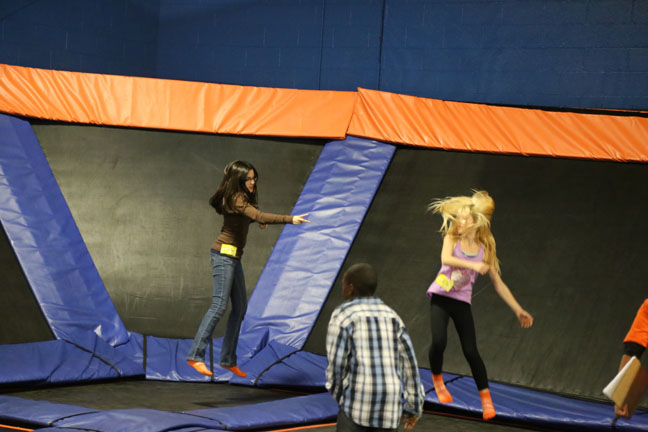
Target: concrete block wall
(560,53)
(101,36)
(572,53)
(309,44)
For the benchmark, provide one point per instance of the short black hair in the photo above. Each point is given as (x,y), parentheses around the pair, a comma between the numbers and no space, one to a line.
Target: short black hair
(363,278)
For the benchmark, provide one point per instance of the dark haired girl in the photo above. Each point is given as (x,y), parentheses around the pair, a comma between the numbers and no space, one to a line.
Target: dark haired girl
(236,200)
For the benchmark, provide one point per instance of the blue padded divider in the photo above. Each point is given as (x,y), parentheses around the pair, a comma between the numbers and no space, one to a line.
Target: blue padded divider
(299,410)
(48,244)
(26,362)
(37,412)
(282,365)
(263,361)
(302,369)
(537,408)
(133,350)
(137,420)
(120,429)
(119,360)
(292,411)
(57,362)
(166,361)
(306,259)
(55,429)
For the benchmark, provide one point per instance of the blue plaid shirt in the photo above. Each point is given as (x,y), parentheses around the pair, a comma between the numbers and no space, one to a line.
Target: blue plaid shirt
(372,366)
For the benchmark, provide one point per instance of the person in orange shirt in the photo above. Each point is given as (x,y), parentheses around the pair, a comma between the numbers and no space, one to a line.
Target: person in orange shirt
(634,344)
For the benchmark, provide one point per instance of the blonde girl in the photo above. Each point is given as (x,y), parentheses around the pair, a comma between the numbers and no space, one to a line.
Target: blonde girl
(468,251)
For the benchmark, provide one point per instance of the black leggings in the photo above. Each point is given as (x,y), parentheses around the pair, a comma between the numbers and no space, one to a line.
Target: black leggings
(442,309)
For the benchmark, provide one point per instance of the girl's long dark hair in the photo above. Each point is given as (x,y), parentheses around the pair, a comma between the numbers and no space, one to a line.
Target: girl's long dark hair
(233,183)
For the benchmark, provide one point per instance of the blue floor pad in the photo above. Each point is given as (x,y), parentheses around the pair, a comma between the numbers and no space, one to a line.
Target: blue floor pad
(58,361)
(299,410)
(315,408)
(524,406)
(278,364)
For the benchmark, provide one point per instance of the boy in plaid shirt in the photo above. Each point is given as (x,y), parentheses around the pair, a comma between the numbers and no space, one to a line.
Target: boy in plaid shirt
(372,366)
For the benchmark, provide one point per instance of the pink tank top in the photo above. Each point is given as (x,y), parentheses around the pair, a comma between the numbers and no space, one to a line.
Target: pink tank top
(456,283)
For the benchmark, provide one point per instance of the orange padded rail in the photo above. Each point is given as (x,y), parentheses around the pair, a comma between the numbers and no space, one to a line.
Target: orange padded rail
(230,109)
(177,105)
(475,127)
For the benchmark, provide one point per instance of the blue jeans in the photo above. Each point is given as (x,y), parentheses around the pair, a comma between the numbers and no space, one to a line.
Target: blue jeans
(229,282)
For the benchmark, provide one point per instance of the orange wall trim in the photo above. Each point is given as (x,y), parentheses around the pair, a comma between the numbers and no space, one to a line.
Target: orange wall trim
(177,105)
(475,127)
(229,109)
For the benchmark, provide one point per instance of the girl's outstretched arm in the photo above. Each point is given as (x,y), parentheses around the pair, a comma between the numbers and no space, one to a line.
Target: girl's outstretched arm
(525,318)
(450,260)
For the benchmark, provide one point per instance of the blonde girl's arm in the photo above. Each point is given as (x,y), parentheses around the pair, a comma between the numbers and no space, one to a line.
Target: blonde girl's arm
(525,318)
(452,261)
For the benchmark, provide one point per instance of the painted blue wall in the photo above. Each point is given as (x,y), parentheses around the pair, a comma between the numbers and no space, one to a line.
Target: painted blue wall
(574,53)
(101,36)
(308,44)
(563,53)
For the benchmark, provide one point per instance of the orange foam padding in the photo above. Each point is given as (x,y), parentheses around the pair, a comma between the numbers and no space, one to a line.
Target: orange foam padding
(639,330)
(176,105)
(230,109)
(447,125)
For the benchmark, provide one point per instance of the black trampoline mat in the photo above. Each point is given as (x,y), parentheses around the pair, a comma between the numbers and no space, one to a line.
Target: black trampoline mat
(157,395)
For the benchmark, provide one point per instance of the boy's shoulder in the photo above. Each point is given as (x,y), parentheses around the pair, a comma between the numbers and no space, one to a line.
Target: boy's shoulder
(364,306)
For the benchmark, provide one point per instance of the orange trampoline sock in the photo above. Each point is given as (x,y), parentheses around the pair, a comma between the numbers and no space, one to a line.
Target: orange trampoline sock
(442,392)
(235,369)
(488,410)
(200,367)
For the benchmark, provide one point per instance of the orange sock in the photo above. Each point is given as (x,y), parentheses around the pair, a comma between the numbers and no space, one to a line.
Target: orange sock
(488,410)
(235,369)
(200,367)
(442,392)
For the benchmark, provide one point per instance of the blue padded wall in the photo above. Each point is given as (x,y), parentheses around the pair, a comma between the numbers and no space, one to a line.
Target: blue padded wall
(306,259)
(48,245)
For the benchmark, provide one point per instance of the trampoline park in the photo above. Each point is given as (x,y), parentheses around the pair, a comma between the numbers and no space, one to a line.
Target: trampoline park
(105,179)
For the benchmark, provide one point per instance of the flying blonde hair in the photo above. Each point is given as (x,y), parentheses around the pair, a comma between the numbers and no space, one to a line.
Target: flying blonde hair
(481,207)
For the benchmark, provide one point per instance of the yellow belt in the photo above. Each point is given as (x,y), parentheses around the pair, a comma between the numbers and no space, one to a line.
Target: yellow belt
(228,249)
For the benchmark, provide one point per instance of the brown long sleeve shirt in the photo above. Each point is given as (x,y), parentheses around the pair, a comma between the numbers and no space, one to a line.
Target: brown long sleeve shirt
(236,225)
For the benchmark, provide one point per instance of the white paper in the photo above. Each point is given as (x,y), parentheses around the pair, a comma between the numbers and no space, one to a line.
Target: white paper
(612,386)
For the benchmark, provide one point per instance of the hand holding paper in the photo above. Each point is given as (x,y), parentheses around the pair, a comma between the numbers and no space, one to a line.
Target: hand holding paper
(628,387)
